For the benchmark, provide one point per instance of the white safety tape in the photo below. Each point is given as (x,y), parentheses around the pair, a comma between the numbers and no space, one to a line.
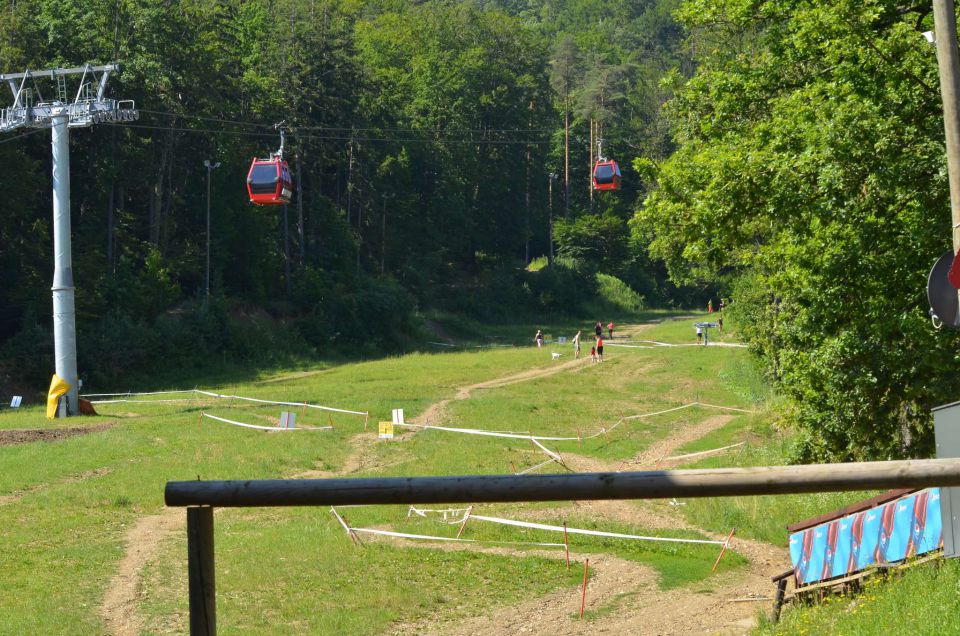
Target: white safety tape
(555,456)
(179,400)
(595,533)
(129,393)
(424,537)
(706,452)
(725,408)
(265,428)
(476,431)
(533,468)
(302,404)
(687,406)
(225,397)
(423,512)
(535,438)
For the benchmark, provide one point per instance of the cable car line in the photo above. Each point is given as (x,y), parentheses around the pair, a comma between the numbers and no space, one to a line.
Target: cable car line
(22,135)
(244,133)
(343,129)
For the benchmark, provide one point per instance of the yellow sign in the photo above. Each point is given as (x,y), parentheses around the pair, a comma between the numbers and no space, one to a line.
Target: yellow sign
(386,430)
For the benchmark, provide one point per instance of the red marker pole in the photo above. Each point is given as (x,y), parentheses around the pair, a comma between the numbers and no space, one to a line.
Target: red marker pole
(466,517)
(724,548)
(566,543)
(583,597)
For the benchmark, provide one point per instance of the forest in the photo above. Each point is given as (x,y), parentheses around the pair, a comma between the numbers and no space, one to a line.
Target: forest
(787,156)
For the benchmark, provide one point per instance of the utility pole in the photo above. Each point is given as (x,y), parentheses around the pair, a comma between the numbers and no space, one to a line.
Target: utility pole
(210,168)
(383,233)
(60,114)
(948,59)
(566,158)
(300,229)
(552,178)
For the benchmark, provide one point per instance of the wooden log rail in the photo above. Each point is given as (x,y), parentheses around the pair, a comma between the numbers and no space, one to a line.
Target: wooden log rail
(723,482)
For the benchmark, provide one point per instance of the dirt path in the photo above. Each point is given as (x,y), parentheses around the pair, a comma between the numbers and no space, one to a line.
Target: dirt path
(630,591)
(119,608)
(434,413)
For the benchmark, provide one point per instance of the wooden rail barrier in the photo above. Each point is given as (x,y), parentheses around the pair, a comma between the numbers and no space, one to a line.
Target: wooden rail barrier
(202,496)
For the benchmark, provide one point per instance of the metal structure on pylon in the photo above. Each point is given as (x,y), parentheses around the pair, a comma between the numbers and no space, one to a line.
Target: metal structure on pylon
(63,111)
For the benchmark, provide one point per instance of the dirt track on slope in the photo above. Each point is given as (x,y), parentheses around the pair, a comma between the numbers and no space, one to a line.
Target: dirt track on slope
(119,608)
(631,589)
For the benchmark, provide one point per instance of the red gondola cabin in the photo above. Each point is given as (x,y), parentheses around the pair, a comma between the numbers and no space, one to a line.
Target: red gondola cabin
(606,176)
(268,182)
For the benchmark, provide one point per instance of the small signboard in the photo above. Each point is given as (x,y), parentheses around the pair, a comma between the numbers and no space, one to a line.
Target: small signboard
(562,340)
(398,416)
(15,402)
(386,430)
(288,419)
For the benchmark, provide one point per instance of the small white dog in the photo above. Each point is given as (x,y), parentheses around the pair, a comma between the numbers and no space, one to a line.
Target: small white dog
(556,356)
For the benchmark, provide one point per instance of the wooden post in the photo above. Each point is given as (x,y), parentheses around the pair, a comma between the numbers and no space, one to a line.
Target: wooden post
(948,59)
(566,544)
(778,600)
(200,569)
(583,596)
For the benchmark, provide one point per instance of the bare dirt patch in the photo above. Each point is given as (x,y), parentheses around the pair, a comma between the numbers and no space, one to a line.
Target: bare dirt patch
(119,608)
(14,436)
(435,412)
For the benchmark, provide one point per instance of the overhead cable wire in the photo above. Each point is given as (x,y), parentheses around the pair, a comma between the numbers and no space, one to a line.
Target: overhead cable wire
(22,135)
(242,133)
(345,129)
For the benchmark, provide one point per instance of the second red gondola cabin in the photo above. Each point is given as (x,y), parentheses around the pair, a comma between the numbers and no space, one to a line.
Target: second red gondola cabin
(269,182)
(606,176)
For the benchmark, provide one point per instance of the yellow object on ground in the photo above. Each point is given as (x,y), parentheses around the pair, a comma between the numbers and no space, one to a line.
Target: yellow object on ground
(58,387)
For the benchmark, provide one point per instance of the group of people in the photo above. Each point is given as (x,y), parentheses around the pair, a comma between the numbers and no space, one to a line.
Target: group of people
(700,334)
(596,351)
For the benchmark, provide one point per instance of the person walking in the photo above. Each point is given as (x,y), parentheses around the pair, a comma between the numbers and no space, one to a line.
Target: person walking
(598,329)
(610,327)
(539,338)
(720,324)
(699,335)
(576,346)
(599,349)
(593,354)
(710,306)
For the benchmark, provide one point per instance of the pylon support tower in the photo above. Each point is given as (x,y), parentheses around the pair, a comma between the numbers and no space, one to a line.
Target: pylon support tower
(87,107)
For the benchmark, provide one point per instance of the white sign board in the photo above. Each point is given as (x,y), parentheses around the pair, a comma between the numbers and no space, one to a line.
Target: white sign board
(398,416)
(288,419)
(15,402)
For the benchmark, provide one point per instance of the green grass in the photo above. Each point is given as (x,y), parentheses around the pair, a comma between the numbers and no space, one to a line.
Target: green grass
(923,600)
(73,501)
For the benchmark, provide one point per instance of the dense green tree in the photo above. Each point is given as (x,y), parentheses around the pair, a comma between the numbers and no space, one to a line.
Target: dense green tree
(810,161)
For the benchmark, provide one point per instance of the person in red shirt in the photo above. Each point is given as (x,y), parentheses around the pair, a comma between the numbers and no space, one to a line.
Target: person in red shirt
(610,326)
(599,349)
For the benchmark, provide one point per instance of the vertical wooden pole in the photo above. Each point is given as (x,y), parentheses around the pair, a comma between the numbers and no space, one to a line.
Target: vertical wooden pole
(948,58)
(583,596)
(200,569)
(566,543)
(778,601)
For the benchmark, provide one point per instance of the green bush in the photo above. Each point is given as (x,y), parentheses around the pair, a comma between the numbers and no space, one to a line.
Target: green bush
(618,294)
